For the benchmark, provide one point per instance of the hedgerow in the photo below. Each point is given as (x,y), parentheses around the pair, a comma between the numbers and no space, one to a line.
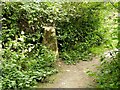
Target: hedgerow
(108,74)
(25,60)
(79,28)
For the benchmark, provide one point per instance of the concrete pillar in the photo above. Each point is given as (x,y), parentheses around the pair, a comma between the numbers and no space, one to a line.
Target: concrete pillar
(50,39)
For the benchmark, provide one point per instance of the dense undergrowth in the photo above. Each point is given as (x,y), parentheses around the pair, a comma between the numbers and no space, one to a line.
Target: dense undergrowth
(108,73)
(80,30)
(25,60)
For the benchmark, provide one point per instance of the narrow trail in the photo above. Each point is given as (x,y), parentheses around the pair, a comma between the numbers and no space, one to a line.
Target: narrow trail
(73,76)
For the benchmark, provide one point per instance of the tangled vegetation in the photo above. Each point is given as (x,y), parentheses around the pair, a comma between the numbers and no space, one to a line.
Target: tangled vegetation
(108,74)
(26,60)
(109,71)
(79,30)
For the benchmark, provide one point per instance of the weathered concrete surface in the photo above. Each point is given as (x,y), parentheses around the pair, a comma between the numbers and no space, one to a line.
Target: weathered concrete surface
(50,39)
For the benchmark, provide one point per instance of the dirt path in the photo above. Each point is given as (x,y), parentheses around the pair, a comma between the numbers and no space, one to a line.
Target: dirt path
(73,76)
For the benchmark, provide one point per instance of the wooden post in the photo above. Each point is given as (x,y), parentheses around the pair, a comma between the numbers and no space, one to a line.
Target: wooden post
(50,39)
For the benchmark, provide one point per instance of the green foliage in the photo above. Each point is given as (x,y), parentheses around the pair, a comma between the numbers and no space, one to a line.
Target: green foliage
(76,23)
(79,52)
(25,60)
(79,27)
(20,70)
(109,75)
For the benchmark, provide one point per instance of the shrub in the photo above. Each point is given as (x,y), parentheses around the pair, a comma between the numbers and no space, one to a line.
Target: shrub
(76,23)
(25,60)
(20,70)
(79,28)
(109,74)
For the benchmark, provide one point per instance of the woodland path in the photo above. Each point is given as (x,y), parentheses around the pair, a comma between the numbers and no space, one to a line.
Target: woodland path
(73,76)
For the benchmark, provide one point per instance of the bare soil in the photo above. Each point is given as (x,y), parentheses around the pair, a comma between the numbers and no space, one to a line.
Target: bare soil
(73,76)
